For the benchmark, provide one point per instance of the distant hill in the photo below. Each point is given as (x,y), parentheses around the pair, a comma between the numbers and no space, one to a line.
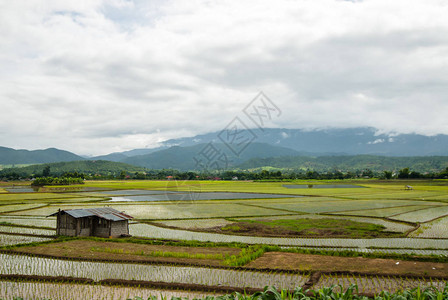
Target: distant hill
(117,157)
(143,151)
(269,143)
(122,156)
(9,156)
(182,158)
(350,163)
(349,141)
(87,167)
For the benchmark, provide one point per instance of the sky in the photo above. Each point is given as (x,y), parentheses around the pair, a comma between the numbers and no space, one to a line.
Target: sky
(95,77)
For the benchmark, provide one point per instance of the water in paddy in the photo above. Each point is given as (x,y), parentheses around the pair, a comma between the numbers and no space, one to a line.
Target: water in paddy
(48,290)
(21,189)
(136,192)
(322,186)
(26,265)
(189,196)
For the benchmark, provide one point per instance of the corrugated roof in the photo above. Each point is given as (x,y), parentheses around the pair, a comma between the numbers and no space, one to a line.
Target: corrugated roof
(107,213)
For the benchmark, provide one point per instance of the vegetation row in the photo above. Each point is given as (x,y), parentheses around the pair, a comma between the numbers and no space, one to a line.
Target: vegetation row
(325,293)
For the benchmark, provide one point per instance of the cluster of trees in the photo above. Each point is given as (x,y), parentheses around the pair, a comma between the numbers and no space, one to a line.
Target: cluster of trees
(406,173)
(75,177)
(57,181)
(272,175)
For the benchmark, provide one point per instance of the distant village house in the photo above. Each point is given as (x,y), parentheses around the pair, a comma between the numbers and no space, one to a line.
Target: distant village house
(100,222)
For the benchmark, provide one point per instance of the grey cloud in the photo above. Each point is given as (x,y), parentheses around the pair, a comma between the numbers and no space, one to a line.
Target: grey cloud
(126,74)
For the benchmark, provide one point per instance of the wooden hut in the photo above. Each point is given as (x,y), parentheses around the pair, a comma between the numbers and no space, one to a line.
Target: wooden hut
(101,222)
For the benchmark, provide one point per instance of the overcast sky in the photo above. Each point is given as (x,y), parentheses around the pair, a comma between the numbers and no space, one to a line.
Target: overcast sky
(95,77)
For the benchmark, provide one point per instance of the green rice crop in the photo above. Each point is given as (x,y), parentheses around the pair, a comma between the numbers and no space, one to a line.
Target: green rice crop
(26,265)
(169,211)
(377,284)
(389,225)
(336,205)
(73,291)
(435,229)
(159,253)
(219,186)
(423,215)
(25,230)
(442,198)
(46,290)
(34,196)
(9,240)
(196,224)
(146,230)
(383,212)
(412,194)
(30,221)
(15,207)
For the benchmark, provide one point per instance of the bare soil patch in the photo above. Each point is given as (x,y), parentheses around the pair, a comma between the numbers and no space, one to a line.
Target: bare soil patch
(377,266)
(85,249)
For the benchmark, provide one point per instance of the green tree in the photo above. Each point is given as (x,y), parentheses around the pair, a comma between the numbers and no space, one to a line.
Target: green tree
(367,173)
(46,171)
(387,174)
(265,174)
(403,173)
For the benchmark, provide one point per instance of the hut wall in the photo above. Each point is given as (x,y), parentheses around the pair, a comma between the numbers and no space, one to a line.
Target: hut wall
(120,227)
(101,228)
(90,226)
(66,225)
(85,225)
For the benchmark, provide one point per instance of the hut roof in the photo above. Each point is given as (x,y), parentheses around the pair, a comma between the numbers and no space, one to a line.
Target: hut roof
(107,213)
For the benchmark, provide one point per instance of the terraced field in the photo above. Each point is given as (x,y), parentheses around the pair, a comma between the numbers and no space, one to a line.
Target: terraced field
(424,215)
(29,221)
(26,230)
(434,229)
(146,230)
(376,284)
(183,211)
(29,290)
(17,264)
(8,240)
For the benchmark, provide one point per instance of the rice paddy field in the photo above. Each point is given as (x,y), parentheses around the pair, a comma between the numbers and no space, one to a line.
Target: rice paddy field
(373,217)
(9,240)
(376,284)
(29,290)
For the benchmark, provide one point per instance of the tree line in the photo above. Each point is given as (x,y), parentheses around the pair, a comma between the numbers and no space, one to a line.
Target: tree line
(47,177)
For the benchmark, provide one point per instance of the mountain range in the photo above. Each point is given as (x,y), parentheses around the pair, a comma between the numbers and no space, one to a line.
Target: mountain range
(9,156)
(349,141)
(288,146)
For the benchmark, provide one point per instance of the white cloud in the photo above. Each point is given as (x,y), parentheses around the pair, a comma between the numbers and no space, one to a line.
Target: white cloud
(100,76)
(377,141)
(285,135)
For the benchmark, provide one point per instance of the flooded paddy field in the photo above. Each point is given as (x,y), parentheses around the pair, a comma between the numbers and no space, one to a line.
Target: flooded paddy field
(26,265)
(176,196)
(9,240)
(376,284)
(322,186)
(47,290)
(188,213)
